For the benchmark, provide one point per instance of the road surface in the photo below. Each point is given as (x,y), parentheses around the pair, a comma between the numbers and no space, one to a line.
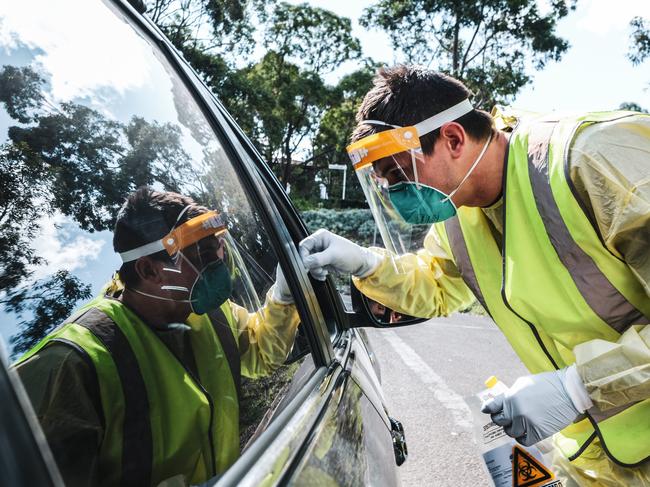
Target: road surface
(427,372)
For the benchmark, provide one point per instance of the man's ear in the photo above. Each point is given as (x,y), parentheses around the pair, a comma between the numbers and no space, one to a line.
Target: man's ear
(148,269)
(454,137)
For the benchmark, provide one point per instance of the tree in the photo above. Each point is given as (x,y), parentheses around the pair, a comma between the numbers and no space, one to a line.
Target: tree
(639,40)
(285,94)
(48,302)
(335,129)
(638,52)
(69,159)
(635,107)
(489,44)
(219,27)
(279,98)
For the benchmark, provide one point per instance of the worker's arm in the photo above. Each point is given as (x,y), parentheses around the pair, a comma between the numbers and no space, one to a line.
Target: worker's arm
(609,167)
(65,396)
(423,284)
(265,336)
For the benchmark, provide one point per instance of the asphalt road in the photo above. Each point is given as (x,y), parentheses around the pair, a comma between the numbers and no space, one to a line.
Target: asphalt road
(428,370)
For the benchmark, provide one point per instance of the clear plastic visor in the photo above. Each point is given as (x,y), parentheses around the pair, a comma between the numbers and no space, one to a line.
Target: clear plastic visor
(377,179)
(222,248)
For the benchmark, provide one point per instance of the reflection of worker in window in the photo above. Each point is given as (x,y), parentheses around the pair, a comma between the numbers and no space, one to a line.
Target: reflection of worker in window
(141,384)
(384,314)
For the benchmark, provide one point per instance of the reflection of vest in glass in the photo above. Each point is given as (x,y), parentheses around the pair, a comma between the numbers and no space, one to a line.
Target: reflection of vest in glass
(555,285)
(160,422)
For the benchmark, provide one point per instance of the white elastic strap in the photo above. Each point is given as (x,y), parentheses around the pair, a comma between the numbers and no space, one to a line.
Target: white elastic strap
(162,298)
(471,169)
(448,115)
(136,253)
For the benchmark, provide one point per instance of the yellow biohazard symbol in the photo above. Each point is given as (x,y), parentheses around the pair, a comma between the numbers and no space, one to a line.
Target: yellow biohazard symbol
(527,471)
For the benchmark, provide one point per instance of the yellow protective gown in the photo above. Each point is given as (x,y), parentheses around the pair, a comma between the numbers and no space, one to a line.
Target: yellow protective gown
(610,168)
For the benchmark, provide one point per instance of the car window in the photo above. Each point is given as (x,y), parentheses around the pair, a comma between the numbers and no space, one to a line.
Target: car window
(91,110)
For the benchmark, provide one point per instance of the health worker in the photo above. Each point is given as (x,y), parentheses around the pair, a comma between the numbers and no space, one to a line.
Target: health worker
(140,386)
(545,220)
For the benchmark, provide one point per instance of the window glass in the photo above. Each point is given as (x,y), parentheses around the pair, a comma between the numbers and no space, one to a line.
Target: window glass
(90,111)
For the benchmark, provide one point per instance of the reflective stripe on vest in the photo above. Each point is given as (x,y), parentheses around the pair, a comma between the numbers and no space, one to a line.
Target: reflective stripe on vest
(601,295)
(552,260)
(137,447)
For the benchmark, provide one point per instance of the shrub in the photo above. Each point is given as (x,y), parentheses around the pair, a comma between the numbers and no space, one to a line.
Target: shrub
(356,225)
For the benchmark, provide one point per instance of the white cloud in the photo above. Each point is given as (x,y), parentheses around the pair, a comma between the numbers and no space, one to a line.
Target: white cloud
(61,248)
(605,17)
(84,51)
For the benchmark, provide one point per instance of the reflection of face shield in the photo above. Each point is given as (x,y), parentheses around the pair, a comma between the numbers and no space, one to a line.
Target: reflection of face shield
(386,164)
(203,248)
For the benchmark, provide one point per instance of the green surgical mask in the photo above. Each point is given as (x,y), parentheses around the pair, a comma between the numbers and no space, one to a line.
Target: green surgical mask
(420,204)
(211,289)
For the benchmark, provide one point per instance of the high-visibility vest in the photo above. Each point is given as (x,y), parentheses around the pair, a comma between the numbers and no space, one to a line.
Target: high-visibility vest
(553,284)
(160,421)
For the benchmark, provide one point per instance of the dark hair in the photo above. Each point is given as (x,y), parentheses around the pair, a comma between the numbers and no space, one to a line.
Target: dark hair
(146,216)
(405,95)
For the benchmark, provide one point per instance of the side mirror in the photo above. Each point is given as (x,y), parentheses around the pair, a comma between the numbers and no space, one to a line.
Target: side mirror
(366,312)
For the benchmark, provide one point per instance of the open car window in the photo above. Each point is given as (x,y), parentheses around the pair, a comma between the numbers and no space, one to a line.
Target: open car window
(90,110)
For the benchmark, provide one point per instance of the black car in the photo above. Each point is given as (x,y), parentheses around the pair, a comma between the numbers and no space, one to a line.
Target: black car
(95,101)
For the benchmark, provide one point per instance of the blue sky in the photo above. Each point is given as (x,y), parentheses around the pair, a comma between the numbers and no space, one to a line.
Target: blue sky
(593,75)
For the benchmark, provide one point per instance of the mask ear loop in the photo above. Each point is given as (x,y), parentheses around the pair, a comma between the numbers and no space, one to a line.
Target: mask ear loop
(471,169)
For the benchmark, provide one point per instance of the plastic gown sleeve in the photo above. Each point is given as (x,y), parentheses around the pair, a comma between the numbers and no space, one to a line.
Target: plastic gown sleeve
(616,374)
(266,336)
(609,166)
(423,284)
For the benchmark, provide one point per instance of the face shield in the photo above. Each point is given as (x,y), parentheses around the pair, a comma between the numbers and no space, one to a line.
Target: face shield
(206,268)
(386,164)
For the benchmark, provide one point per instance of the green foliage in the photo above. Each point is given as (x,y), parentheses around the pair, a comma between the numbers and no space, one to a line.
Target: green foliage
(316,38)
(639,40)
(489,44)
(280,98)
(72,160)
(635,107)
(49,302)
(258,396)
(355,225)
(335,129)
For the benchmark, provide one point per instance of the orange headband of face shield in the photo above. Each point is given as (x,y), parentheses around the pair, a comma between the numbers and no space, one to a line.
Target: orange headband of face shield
(193,230)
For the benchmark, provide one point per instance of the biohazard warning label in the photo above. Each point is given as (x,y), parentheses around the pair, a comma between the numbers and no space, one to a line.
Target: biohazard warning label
(527,471)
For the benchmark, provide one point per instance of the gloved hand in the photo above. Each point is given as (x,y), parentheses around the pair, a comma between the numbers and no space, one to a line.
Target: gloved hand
(281,293)
(324,251)
(537,406)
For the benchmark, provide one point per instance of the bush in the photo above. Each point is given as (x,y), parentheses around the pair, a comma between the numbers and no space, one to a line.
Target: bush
(356,225)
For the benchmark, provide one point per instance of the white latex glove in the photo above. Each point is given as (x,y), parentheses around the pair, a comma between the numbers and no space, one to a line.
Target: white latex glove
(324,251)
(281,293)
(538,406)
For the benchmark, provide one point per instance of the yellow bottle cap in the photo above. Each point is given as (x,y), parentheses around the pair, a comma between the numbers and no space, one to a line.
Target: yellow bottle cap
(491,381)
